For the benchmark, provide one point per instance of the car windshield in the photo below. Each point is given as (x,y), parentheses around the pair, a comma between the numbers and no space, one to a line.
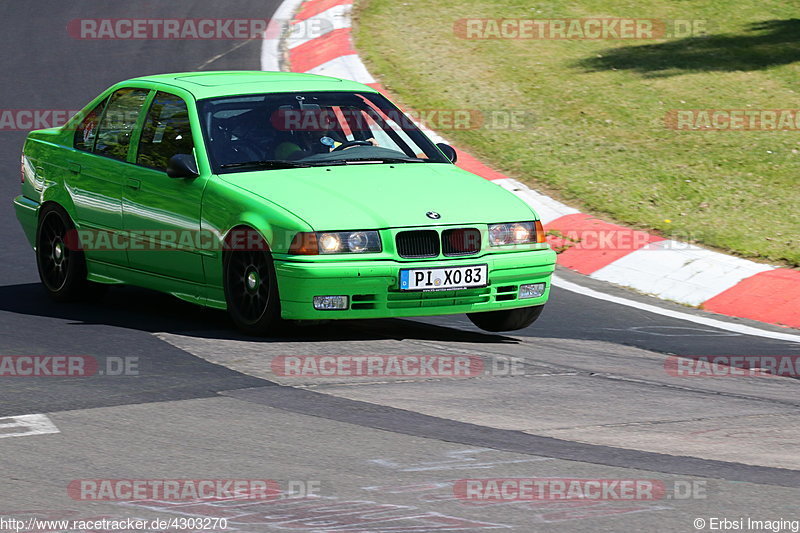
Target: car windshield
(288,130)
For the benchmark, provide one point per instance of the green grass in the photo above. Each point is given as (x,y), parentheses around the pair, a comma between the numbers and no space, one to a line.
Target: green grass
(598,139)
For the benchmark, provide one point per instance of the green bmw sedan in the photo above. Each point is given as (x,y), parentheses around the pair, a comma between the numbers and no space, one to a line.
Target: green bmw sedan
(275,196)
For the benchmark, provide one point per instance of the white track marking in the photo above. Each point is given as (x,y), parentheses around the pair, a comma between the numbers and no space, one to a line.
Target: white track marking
(335,18)
(347,67)
(714,323)
(547,208)
(271,46)
(223,54)
(26,425)
(679,272)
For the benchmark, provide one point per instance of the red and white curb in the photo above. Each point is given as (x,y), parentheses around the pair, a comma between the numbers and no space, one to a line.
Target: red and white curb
(318,41)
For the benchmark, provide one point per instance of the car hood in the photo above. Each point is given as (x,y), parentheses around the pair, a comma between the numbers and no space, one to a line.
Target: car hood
(374,196)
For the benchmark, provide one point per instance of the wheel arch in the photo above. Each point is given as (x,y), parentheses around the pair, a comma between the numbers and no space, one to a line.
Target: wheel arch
(256,221)
(214,264)
(51,204)
(231,235)
(57,195)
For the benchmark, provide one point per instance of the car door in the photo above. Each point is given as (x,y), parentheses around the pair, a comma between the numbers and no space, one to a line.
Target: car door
(162,214)
(96,171)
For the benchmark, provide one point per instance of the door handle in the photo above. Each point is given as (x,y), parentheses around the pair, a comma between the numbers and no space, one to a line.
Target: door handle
(134,184)
(75,168)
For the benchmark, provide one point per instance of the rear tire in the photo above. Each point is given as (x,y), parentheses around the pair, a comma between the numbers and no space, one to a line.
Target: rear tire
(61,269)
(251,291)
(509,320)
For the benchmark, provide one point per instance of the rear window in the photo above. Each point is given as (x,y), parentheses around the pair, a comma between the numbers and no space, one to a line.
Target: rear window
(87,130)
(118,123)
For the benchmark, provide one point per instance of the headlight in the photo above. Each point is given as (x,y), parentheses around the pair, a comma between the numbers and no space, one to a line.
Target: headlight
(336,242)
(516,233)
(358,242)
(521,233)
(329,243)
(499,234)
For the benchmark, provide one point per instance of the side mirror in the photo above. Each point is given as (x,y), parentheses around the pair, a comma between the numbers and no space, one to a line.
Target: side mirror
(182,166)
(449,151)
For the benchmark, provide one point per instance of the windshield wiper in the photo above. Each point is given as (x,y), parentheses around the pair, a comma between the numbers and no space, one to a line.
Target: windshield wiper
(266,164)
(383,160)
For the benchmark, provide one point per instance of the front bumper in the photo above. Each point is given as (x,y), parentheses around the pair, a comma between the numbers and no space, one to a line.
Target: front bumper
(372,286)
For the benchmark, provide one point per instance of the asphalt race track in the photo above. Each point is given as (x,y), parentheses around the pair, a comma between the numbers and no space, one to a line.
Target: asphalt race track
(592,399)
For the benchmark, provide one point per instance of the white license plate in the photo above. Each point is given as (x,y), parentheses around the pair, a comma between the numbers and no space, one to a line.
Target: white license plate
(436,279)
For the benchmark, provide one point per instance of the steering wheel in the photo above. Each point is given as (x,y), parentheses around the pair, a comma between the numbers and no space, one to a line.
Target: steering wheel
(348,144)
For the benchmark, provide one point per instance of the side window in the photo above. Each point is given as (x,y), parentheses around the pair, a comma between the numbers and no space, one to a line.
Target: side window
(87,130)
(166,132)
(119,121)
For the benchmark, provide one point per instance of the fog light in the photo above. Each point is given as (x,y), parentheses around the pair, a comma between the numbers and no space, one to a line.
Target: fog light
(327,303)
(531,290)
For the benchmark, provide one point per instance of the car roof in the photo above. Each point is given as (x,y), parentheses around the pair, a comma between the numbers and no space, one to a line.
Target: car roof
(208,84)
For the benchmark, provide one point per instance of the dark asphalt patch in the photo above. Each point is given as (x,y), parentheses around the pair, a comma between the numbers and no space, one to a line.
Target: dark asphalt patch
(430,427)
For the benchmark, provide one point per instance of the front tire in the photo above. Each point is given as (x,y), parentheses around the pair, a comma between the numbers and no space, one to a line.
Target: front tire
(509,320)
(251,291)
(62,270)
